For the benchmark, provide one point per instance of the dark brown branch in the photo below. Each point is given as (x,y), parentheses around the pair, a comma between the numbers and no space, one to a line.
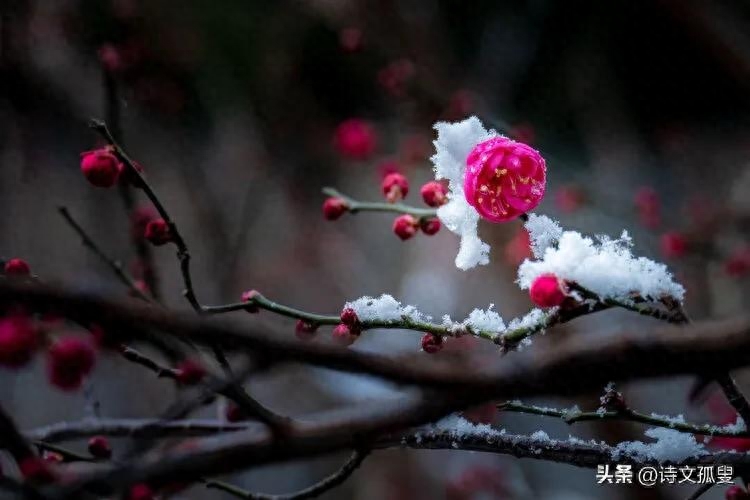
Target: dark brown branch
(700,491)
(580,363)
(113,264)
(328,483)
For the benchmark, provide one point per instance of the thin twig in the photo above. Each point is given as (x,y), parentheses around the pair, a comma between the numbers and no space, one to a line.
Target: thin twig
(328,483)
(114,265)
(353,206)
(700,491)
(626,414)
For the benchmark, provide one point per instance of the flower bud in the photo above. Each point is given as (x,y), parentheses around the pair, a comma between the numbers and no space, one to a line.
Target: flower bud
(190,372)
(548,290)
(158,232)
(333,208)
(304,330)
(100,167)
(345,335)
(395,187)
(17,267)
(349,317)
(673,245)
(430,226)
(431,343)
(99,447)
(433,193)
(249,296)
(405,226)
(69,360)
(355,139)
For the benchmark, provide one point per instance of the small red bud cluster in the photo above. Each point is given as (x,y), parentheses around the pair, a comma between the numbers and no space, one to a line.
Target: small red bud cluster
(674,245)
(432,343)
(99,447)
(17,268)
(190,372)
(69,361)
(350,328)
(333,208)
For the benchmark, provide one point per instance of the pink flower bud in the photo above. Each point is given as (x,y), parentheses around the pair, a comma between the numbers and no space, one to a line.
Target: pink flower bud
(548,290)
(304,330)
(345,335)
(141,491)
(18,341)
(395,187)
(100,167)
(249,296)
(190,372)
(157,232)
(504,179)
(99,447)
(17,267)
(430,226)
(349,317)
(431,343)
(333,208)
(69,360)
(405,226)
(673,245)
(355,139)
(736,492)
(433,193)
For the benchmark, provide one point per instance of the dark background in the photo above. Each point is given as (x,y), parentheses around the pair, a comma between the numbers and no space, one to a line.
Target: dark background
(230,106)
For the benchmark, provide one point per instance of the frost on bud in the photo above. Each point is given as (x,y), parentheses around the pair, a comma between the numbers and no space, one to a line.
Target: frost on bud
(18,341)
(99,447)
(431,343)
(504,179)
(304,330)
(405,226)
(141,491)
(250,296)
(69,360)
(548,290)
(190,372)
(612,400)
(157,232)
(395,187)
(100,167)
(333,208)
(345,335)
(736,492)
(17,267)
(673,244)
(349,317)
(35,470)
(430,226)
(355,139)
(433,193)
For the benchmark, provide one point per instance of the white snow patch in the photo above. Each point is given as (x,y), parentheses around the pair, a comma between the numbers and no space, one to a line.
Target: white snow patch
(605,266)
(670,446)
(543,233)
(385,308)
(454,143)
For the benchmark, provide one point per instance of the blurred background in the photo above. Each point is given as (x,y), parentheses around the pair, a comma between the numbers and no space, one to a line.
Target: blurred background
(640,108)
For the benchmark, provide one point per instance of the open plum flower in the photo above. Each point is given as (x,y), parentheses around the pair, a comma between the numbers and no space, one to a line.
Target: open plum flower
(504,179)
(489,176)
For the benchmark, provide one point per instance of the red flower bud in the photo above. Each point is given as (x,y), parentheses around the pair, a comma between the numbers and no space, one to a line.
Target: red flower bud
(738,264)
(158,232)
(17,267)
(350,39)
(304,330)
(736,492)
(430,226)
(333,208)
(141,491)
(36,470)
(673,245)
(431,343)
(18,341)
(433,193)
(234,413)
(349,317)
(190,372)
(395,186)
(345,335)
(548,290)
(99,447)
(405,226)
(249,296)
(100,167)
(52,457)
(355,139)
(69,360)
